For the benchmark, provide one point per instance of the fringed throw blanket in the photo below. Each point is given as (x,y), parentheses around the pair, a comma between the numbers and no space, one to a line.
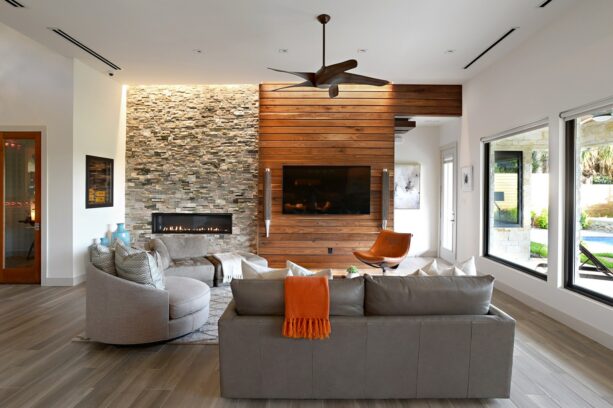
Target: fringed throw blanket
(231,265)
(307,308)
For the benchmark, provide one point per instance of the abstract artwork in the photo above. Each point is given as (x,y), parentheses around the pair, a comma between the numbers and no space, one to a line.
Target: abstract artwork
(407,186)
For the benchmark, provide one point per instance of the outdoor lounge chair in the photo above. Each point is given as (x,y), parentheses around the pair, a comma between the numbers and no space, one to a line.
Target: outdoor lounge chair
(598,266)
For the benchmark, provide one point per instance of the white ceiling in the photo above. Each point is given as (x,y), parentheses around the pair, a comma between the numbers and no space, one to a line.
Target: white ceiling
(154,40)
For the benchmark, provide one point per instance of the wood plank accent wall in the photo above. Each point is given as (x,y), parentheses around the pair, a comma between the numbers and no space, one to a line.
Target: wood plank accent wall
(303,126)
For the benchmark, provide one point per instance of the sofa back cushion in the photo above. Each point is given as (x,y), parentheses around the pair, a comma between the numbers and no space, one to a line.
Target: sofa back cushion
(267,297)
(431,295)
(158,246)
(181,247)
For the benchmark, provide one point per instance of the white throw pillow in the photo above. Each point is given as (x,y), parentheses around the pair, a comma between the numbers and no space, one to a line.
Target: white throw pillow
(298,270)
(419,272)
(254,271)
(468,266)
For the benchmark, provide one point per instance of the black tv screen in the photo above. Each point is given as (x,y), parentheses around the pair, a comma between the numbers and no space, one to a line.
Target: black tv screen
(326,190)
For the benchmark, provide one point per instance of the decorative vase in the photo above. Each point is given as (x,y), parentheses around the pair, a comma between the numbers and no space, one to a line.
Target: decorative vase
(352,275)
(105,241)
(122,234)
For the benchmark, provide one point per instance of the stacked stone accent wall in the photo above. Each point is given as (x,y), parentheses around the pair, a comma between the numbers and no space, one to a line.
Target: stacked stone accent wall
(193,149)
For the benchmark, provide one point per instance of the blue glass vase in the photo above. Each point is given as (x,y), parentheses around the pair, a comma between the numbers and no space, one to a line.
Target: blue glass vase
(122,234)
(105,241)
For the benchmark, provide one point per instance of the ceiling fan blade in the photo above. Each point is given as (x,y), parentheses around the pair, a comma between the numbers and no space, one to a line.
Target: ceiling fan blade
(309,76)
(325,74)
(347,78)
(301,84)
(333,91)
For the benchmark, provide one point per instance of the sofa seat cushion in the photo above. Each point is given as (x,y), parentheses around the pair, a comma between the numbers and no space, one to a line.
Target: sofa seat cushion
(186,296)
(197,268)
(259,297)
(430,295)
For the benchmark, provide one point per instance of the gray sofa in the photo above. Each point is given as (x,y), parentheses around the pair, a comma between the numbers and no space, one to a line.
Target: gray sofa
(187,256)
(119,311)
(392,337)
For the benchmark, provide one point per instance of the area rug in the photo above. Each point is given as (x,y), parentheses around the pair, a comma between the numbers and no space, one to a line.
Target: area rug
(207,334)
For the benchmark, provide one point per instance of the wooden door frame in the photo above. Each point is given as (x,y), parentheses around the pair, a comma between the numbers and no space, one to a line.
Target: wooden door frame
(37,136)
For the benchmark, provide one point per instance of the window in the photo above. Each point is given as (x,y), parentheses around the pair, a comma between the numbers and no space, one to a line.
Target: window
(517,200)
(589,205)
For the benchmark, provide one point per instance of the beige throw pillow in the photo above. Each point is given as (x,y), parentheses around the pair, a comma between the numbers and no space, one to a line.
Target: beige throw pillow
(298,270)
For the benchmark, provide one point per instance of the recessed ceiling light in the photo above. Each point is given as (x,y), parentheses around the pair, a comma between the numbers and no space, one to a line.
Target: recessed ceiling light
(362,50)
(283,50)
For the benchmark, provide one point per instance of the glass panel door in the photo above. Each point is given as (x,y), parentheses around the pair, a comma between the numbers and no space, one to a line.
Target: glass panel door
(448,205)
(20,216)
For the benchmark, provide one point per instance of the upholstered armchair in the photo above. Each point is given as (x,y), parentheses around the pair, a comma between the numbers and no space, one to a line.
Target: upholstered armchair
(119,311)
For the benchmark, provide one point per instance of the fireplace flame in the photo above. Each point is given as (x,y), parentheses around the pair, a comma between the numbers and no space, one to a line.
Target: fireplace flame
(180,228)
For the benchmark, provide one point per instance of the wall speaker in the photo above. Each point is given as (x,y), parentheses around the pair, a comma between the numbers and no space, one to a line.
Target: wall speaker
(385,197)
(267,200)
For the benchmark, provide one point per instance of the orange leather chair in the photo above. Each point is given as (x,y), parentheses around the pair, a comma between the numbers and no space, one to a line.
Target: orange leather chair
(387,252)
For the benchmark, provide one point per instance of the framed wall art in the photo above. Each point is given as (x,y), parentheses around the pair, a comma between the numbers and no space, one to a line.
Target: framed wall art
(407,180)
(98,182)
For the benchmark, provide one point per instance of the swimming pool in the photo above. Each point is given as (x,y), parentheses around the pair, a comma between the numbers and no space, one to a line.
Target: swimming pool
(608,240)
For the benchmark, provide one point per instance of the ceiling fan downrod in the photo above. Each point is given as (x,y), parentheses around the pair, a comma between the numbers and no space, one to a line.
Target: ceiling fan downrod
(323,19)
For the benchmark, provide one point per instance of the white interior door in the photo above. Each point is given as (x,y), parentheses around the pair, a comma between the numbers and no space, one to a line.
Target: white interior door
(449,176)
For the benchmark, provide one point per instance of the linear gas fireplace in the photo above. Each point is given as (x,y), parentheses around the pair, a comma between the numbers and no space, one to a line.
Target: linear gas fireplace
(187,223)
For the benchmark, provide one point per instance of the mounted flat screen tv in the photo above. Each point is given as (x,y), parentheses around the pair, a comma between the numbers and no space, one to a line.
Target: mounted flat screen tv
(326,190)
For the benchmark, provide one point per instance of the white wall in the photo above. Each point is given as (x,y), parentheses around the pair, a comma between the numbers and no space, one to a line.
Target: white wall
(98,130)
(422,145)
(36,94)
(566,65)
(78,111)
(450,131)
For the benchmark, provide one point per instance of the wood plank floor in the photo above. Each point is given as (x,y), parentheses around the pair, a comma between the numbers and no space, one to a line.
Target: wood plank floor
(40,366)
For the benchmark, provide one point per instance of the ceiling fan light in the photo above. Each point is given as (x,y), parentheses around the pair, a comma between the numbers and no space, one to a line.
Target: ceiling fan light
(601,117)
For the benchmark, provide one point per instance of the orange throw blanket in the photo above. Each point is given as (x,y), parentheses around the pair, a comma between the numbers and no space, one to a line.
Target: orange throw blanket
(307,308)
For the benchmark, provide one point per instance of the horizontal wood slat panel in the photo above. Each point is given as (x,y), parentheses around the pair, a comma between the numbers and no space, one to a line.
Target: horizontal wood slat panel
(396,88)
(359,102)
(303,126)
(398,110)
(328,122)
(327,129)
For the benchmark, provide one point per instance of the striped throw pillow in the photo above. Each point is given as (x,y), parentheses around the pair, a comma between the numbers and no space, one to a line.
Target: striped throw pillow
(103,258)
(138,265)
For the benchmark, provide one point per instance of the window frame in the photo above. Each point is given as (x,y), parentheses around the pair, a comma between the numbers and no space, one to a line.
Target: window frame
(570,217)
(486,143)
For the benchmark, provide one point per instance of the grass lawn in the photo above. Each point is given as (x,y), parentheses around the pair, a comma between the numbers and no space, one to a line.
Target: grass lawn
(540,251)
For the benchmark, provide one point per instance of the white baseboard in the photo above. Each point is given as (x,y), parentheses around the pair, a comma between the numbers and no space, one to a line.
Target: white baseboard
(575,324)
(65,281)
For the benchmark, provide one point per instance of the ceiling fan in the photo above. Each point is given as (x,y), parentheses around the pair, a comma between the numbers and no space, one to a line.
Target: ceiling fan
(332,75)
